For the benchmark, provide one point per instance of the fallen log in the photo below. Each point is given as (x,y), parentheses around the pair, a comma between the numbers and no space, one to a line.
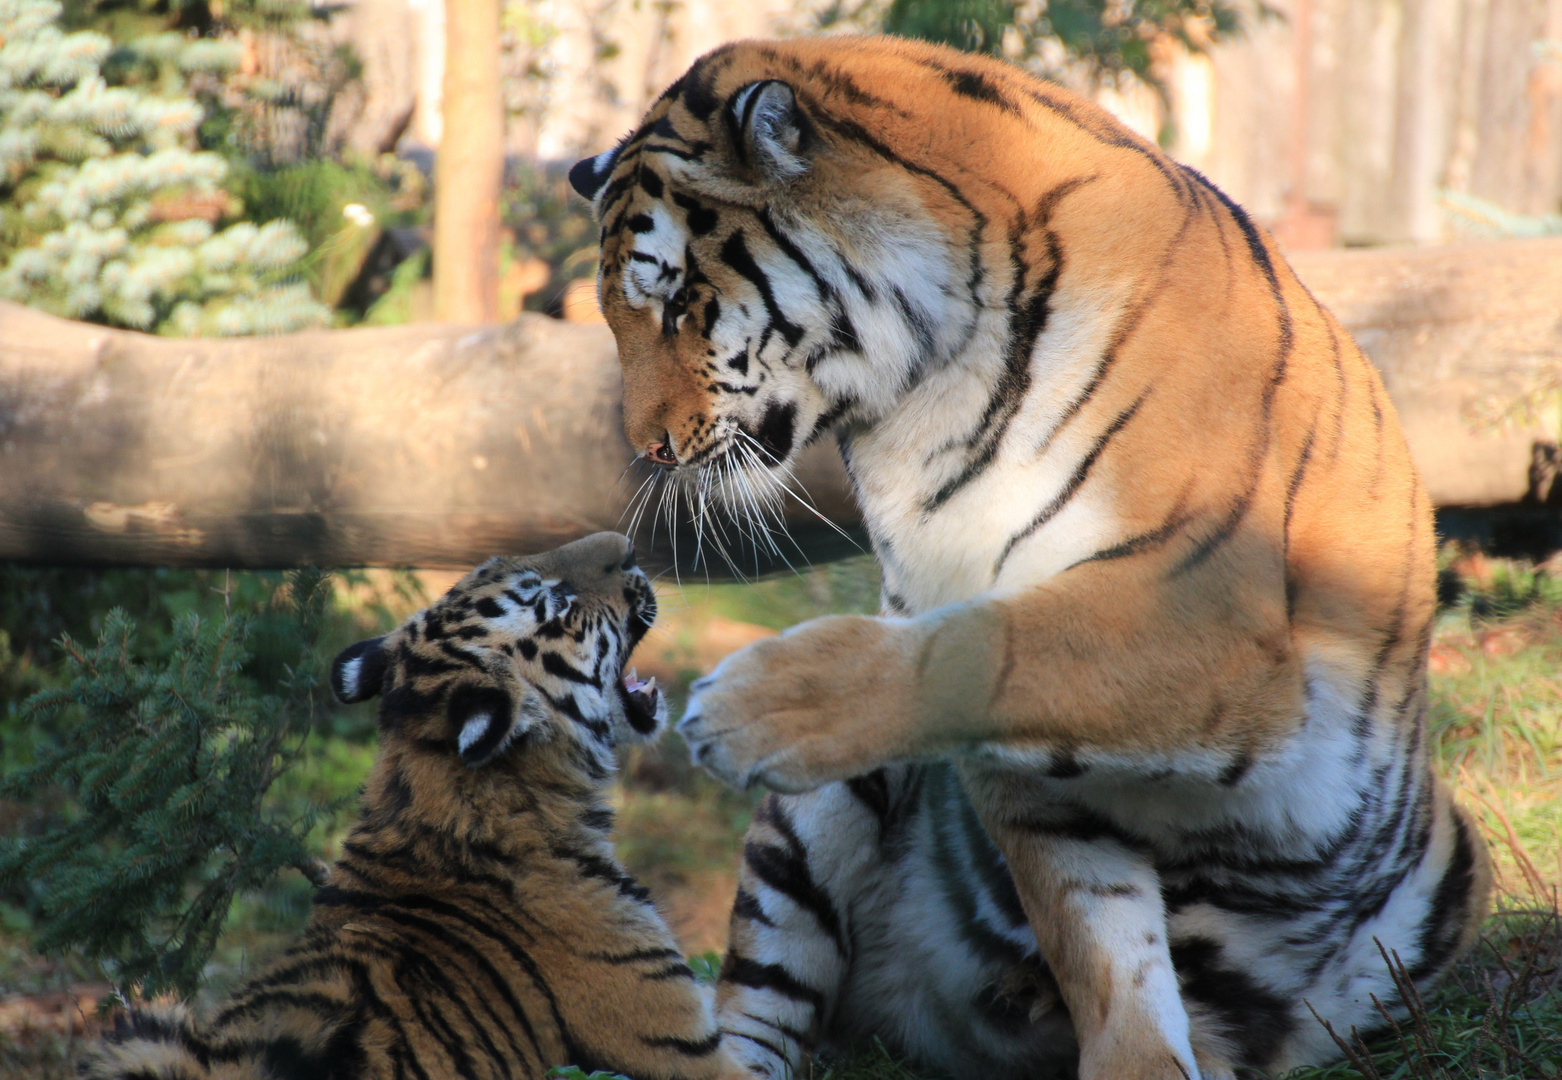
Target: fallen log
(436,445)
(422,445)
(1457,331)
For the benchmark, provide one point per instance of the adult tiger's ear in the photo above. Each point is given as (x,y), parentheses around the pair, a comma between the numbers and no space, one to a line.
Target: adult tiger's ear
(486,719)
(359,670)
(769,131)
(588,175)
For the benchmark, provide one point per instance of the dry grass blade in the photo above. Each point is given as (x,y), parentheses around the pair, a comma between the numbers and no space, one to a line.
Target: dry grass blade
(1405,988)
(1532,876)
(1414,1054)
(1355,1050)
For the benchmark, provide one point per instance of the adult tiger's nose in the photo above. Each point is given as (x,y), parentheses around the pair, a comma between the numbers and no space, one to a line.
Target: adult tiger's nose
(661,453)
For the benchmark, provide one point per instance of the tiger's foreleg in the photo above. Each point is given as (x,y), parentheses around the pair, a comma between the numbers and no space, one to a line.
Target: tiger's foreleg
(1066,676)
(1079,671)
(1095,906)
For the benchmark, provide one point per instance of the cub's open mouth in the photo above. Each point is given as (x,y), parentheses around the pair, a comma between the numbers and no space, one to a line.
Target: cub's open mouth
(642,701)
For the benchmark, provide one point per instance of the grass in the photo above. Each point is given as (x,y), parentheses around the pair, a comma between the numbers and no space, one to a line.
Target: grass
(1496,727)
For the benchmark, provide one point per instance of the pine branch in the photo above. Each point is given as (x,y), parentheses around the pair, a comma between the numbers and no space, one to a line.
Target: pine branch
(167,764)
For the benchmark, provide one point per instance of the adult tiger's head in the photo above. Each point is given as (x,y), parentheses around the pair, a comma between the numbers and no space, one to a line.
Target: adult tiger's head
(833,230)
(522,651)
(788,239)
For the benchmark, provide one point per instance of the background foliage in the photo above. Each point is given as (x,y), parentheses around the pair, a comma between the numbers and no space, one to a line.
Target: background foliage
(166,765)
(157,784)
(1100,40)
(110,211)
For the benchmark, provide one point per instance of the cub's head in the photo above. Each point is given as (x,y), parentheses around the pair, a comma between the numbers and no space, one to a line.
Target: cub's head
(759,247)
(520,650)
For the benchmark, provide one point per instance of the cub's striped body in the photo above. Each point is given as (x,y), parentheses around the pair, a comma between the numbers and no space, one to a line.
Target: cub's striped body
(477,923)
(1158,577)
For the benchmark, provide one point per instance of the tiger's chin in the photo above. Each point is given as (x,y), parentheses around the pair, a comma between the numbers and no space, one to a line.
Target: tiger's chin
(748,486)
(733,491)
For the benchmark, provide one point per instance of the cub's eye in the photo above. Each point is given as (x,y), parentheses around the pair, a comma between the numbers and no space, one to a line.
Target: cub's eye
(675,308)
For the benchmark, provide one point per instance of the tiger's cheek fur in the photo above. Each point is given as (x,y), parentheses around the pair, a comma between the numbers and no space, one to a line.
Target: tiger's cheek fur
(722,379)
(731,337)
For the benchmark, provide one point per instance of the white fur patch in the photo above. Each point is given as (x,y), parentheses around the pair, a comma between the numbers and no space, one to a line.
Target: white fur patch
(349,675)
(473,730)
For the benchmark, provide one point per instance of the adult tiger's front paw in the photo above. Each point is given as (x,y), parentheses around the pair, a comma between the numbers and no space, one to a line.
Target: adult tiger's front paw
(828,699)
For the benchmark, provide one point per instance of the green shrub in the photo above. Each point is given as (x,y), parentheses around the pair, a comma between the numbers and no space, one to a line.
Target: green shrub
(157,786)
(166,766)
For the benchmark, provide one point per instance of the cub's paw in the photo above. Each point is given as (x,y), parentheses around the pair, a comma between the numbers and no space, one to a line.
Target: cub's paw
(824,701)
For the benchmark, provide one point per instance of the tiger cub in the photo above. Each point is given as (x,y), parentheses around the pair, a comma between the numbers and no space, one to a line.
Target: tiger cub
(477,923)
(1144,717)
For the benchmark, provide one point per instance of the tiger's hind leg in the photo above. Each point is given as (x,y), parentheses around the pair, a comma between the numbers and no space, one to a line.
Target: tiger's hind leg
(157,1043)
(1095,906)
(788,953)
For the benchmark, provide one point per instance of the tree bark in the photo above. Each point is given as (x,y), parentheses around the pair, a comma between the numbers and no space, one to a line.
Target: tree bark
(436,445)
(469,167)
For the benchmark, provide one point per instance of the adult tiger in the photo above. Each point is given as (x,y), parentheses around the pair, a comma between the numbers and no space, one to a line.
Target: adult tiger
(477,923)
(1158,577)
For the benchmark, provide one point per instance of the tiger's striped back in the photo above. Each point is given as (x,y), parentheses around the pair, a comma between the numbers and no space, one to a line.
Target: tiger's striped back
(477,923)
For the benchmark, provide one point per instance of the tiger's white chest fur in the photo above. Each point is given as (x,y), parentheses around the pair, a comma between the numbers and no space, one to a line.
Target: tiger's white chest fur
(899,466)
(1287,806)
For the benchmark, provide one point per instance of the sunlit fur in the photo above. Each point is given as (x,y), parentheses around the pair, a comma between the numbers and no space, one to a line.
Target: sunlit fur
(477,923)
(1158,578)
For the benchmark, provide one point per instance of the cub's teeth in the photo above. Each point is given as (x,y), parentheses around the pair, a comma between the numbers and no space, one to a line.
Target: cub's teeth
(649,686)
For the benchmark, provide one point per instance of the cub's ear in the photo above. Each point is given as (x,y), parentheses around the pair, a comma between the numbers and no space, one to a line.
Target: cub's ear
(486,719)
(356,674)
(588,175)
(769,131)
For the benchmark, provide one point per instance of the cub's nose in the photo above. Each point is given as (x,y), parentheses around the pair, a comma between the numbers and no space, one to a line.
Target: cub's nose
(607,554)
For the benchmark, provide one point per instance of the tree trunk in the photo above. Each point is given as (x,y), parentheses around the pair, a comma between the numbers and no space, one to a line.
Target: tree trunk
(436,445)
(469,167)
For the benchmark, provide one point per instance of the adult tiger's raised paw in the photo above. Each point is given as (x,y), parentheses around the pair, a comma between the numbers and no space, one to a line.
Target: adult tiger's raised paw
(828,699)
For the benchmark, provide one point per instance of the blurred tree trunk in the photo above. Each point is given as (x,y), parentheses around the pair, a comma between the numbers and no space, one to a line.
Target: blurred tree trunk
(469,167)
